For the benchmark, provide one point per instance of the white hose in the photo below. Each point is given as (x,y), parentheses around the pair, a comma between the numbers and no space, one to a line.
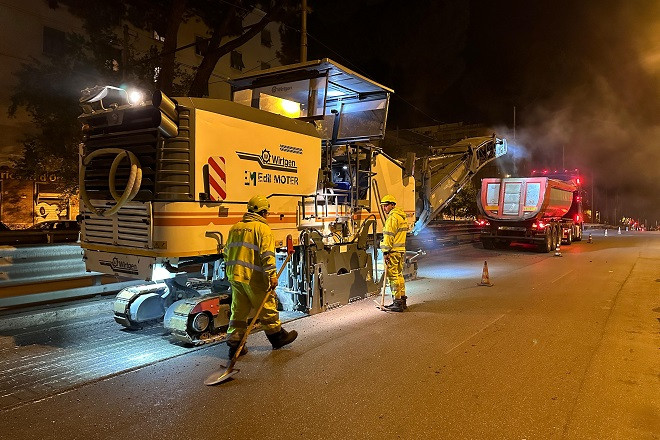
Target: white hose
(132,186)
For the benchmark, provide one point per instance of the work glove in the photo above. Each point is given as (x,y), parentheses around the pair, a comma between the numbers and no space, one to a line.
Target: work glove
(273,283)
(386,257)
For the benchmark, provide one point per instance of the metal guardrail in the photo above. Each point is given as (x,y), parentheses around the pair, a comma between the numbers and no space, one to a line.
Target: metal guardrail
(45,273)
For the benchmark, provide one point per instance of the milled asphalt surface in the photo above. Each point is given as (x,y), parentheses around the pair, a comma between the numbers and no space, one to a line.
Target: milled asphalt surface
(558,348)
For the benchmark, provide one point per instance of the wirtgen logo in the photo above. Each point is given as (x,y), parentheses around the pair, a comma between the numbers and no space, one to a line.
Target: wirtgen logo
(118,265)
(270,161)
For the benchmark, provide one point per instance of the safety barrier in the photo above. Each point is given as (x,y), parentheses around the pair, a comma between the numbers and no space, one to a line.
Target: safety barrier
(45,273)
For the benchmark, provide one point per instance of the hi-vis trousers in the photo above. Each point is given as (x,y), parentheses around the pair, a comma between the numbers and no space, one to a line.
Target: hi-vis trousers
(245,297)
(395,274)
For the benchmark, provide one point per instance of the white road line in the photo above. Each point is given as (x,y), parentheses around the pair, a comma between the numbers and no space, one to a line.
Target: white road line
(561,276)
(477,332)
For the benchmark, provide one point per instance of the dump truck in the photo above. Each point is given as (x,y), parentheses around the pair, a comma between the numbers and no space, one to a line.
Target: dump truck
(541,210)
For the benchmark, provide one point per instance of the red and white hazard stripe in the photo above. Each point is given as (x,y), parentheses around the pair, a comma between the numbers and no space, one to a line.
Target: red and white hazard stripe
(217,178)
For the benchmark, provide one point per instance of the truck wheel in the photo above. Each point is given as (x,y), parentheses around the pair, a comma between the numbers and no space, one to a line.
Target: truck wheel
(501,244)
(578,234)
(488,243)
(546,245)
(569,237)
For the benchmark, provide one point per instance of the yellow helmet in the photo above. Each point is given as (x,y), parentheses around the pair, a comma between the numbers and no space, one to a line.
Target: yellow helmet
(258,204)
(388,198)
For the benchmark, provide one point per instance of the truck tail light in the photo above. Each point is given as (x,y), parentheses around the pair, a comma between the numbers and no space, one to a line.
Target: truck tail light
(577,218)
(539,225)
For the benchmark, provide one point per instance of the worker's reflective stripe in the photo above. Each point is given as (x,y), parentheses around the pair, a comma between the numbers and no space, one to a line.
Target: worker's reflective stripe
(399,244)
(386,247)
(267,254)
(270,267)
(388,233)
(402,229)
(238,324)
(243,244)
(244,264)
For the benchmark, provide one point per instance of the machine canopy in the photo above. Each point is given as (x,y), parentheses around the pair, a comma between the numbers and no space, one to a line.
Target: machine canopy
(343,105)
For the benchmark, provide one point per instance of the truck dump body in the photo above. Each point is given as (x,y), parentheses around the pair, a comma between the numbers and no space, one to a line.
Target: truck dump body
(518,199)
(538,210)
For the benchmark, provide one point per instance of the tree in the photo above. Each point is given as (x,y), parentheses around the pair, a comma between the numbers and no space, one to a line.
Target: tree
(464,204)
(49,88)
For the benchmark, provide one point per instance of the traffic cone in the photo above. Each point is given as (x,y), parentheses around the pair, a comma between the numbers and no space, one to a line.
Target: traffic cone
(605,232)
(589,240)
(619,230)
(485,279)
(557,251)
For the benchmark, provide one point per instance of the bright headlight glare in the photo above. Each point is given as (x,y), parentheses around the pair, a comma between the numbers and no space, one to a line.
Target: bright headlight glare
(135,97)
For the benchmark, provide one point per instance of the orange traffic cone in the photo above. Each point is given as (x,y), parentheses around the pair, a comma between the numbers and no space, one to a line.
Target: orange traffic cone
(485,279)
(557,251)
(590,240)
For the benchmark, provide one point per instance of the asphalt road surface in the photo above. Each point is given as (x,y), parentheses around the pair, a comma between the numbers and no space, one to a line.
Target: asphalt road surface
(559,348)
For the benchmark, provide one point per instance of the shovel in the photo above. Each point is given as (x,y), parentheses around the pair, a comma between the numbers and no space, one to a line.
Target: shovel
(223,375)
(382,290)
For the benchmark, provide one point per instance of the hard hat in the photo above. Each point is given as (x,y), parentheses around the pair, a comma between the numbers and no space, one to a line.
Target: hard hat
(387,199)
(258,204)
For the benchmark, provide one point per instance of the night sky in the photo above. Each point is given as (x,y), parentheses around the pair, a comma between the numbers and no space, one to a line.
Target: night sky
(584,77)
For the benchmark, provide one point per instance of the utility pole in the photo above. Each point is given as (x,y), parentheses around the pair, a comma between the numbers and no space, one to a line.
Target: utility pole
(593,203)
(303,33)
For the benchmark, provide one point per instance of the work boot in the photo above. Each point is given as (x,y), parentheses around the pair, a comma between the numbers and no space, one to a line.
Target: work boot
(282,338)
(403,299)
(233,346)
(396,306)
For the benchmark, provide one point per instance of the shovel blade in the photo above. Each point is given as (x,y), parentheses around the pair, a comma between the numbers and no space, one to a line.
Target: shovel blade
(221,376)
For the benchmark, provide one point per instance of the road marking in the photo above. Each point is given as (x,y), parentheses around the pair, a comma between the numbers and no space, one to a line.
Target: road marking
(561,276)
(476,333)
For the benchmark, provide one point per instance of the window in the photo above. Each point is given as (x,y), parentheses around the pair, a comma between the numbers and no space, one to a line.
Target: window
(265,38)
(201,45)
(265,66)
(54,41)
(237,60)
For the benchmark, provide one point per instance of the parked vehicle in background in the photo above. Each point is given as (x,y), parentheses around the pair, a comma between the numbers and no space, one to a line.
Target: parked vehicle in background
(58,231)
(50,231)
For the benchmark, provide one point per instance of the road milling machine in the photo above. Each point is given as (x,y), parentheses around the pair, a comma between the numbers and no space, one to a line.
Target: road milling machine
(163,180)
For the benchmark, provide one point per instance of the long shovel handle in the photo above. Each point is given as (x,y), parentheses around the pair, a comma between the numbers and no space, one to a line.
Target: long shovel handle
(382,296)
(256,316)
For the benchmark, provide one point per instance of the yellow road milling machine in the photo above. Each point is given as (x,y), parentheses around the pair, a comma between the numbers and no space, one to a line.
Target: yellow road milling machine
(163,180)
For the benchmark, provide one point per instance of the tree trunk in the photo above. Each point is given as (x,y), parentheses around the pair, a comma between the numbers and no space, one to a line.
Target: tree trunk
(200,83)
(167,61)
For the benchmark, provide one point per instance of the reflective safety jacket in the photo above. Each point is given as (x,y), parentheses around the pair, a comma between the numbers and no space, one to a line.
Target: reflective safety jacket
(394,232)
(250,251)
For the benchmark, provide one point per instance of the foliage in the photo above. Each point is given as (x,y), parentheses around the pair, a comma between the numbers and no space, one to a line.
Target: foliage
(464,204)
(48,88)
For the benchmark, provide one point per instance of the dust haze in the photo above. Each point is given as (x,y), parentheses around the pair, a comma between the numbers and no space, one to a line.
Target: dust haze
(606,119)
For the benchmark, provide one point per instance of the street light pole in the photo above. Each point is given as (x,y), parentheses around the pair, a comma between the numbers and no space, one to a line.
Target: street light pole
(303,33)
